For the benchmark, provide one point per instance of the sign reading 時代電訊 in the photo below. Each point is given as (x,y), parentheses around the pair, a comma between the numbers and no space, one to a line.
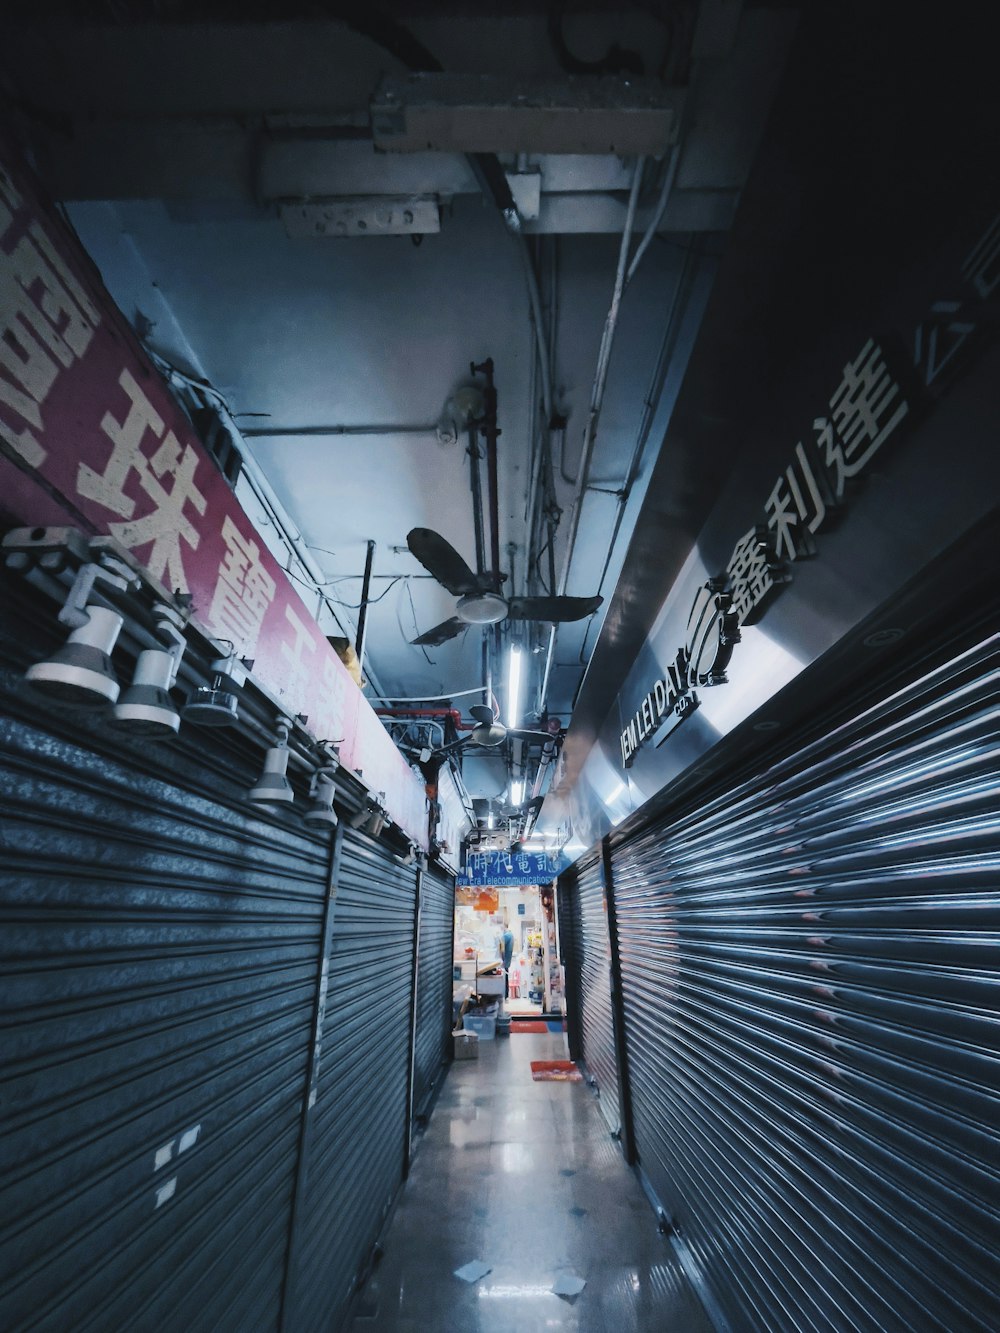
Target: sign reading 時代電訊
(509,870)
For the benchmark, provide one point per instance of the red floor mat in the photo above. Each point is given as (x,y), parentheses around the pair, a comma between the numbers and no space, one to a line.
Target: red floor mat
(537,1025)
(555,1071)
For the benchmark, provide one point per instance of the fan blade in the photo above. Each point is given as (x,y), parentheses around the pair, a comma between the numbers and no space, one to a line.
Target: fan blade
(442,561)
(532,737)
(557,609)
(448,629)
(481,713)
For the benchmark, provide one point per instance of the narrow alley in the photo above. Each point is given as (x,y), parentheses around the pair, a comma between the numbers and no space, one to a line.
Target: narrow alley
(525,1177)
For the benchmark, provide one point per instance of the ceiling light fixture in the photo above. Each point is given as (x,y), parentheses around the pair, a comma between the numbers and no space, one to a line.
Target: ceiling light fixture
(146,709)
(273,787)
(371,817)
(322,789)
(217,705)
(81,671)
(517,791)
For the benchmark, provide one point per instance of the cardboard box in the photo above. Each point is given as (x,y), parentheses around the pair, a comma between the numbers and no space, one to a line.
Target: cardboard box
(466,1045)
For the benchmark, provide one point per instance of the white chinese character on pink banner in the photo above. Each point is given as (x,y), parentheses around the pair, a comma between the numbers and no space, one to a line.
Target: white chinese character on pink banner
(243,592)
(166,525)
(298,656)
(47,322)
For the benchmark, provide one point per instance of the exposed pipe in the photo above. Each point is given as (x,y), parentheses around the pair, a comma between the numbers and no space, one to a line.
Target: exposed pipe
(661,207)
(678,305)
(366,587)
(453,713)
(535,300)
(272,432)
(433,698)
(490,430)
(596,402)
(601,377)
(475,483)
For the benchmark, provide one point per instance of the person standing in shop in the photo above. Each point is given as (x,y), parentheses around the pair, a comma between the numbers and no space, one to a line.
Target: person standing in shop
(506,953)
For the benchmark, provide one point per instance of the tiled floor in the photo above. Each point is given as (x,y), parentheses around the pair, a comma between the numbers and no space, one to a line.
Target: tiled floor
(525,1177)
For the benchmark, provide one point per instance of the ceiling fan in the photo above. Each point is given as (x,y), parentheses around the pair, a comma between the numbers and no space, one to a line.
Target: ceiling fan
(489,732)
(478,601)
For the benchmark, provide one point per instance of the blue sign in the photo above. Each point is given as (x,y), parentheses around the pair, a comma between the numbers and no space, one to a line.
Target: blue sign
(520,909)
(510,870)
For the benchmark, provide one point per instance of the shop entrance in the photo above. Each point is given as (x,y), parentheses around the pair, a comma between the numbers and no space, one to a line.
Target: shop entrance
(534,979)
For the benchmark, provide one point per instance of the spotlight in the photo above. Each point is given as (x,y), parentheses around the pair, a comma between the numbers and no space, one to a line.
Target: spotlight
(146,709)
(371,817)
(321,790)
(217,705)
(273,787)
(81,671)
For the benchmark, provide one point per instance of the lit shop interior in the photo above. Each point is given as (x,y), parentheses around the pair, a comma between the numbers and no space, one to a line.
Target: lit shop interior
(535,985)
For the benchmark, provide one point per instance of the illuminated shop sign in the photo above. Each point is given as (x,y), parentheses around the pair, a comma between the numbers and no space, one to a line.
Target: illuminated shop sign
(509,870)
(879,389)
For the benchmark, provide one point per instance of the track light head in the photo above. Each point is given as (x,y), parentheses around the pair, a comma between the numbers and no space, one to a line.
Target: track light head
(273,787)
(321,813)
(370,818)
(146,709)
(218,704)
(81,672)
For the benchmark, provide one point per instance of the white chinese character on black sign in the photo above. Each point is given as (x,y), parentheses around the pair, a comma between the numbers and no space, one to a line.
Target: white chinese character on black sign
(754,574)
(866,408)
(798,505)
(982,267)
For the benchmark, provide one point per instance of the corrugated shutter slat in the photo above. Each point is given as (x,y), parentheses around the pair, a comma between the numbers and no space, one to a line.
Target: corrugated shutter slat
(810,980)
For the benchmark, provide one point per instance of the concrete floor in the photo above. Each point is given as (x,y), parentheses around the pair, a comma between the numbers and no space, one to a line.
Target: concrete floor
(525,1177)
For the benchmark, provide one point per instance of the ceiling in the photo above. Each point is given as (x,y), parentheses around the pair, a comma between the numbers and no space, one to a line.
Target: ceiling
(196,153)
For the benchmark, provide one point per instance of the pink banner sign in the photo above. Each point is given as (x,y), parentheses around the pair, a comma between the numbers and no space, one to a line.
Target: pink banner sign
(91,437)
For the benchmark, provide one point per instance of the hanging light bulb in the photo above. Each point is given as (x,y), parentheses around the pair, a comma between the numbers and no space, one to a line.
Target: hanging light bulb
(81,671)
(273,787)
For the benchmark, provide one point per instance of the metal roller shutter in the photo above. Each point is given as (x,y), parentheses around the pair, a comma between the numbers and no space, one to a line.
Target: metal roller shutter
(434,983)
(810,971)
(597,1037)
(570,953)
(358,1139)
(160,954)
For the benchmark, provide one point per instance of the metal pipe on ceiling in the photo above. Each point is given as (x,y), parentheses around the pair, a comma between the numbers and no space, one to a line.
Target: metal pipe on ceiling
(272,432)
(596,402)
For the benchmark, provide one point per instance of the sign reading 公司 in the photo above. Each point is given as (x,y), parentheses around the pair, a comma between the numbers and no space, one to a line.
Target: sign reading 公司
(877,392)
(509,870)
(91,438)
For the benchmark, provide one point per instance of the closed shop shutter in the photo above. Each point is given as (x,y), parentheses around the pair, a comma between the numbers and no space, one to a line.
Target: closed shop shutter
(810,974)
(434,983)
(159,949)
(596,1025)
(570,952)
(358,1137)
